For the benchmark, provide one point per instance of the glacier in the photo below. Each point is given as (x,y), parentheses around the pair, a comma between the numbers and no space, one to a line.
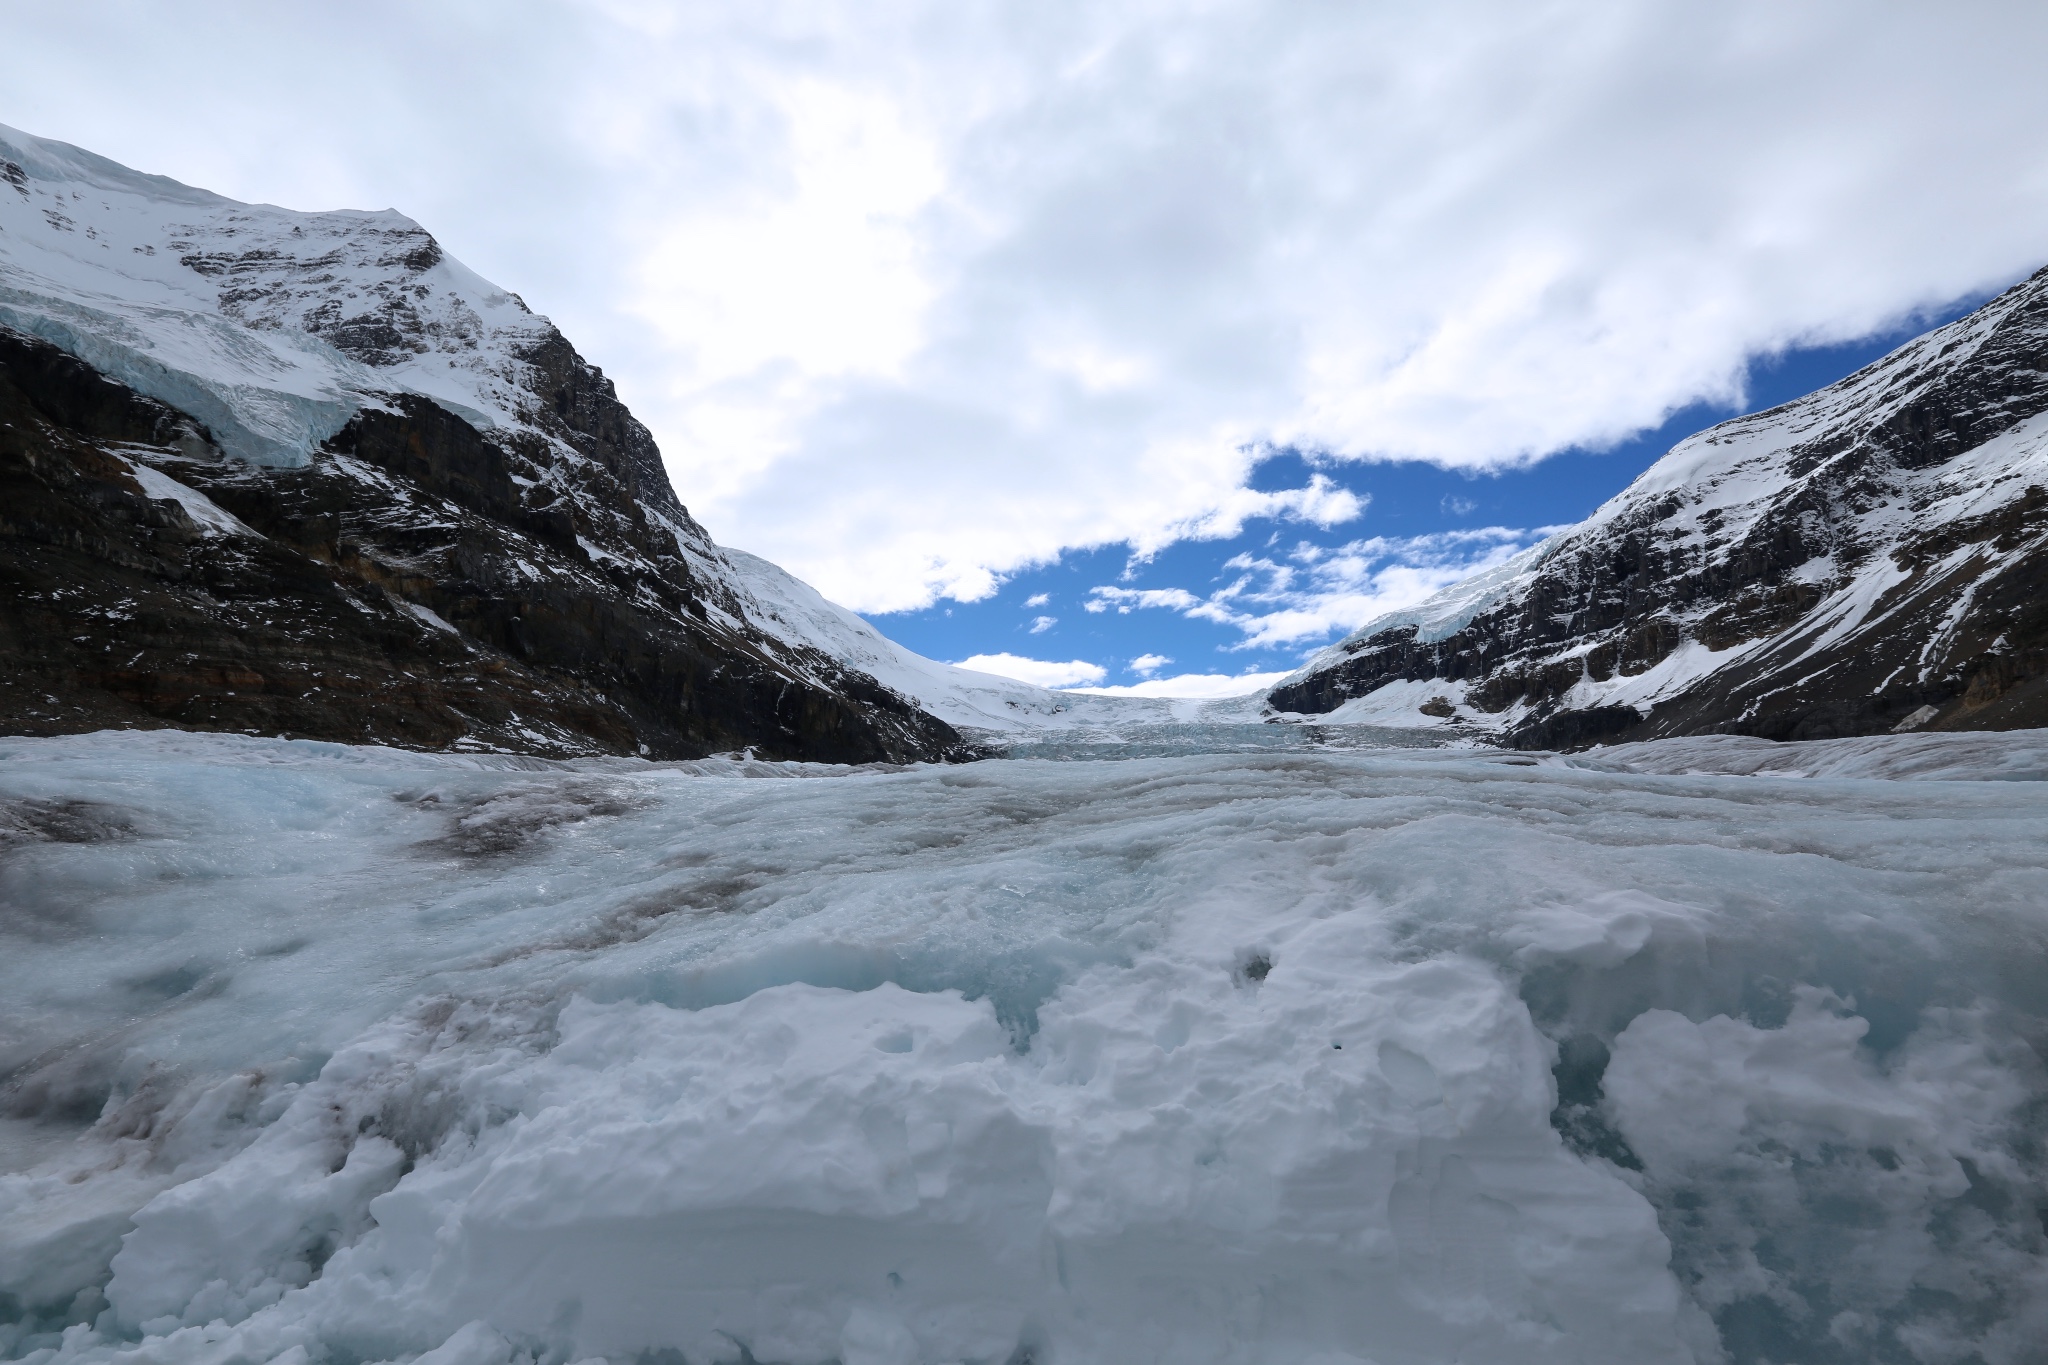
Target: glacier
(1691,1051)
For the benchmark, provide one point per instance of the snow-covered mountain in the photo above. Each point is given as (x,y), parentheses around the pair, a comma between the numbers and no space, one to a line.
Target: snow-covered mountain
(973,701)
(272,328)
(1871,557)
(307,473)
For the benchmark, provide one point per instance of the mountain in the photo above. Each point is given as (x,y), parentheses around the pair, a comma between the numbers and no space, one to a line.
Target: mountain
(306,474)
(1869,558)
(985,705)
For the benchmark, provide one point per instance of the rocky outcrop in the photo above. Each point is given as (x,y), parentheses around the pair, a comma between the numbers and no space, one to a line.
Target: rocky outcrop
(1871,557)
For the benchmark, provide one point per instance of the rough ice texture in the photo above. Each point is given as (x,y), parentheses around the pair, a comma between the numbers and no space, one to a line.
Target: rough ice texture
(326,1054)
(1873,556)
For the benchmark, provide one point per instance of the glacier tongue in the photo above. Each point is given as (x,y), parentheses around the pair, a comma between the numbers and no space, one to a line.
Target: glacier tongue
(320,1053)
(787,609)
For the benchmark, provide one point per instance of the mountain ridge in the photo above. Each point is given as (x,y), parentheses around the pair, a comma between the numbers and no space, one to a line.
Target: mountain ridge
(1868,557)
(480,545)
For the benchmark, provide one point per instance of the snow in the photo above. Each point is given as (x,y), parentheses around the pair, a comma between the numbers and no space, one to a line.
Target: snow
(211,518)
(1445,611)
(2020,756)
(1736,472)
(321,1053)
(427,616)
(215,307)
(966,698)
(1733,463)
(1399,703)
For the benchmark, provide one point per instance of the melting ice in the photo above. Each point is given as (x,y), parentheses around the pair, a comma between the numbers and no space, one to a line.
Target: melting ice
(1686,1052)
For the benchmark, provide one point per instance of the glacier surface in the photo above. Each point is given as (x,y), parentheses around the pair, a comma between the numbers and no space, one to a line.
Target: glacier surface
(1693,1051)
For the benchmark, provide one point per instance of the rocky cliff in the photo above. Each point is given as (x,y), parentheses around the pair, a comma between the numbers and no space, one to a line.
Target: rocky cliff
(1871,557)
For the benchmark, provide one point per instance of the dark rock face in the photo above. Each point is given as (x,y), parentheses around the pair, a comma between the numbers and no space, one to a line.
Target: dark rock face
(581,408)
(420,583)
(1870,557)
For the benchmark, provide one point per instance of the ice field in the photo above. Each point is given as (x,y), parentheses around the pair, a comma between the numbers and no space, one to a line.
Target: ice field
(1297,1053)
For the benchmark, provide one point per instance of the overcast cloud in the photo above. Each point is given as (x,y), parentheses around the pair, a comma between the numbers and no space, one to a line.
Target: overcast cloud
(916,294)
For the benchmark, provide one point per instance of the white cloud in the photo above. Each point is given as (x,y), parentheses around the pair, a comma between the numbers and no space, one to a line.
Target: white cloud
(1123,599)
(916,295)
(1041,624)
(1037,599)
(1192,686)
(1322,502)
(1148,664)
(1043,672)
(1315,591)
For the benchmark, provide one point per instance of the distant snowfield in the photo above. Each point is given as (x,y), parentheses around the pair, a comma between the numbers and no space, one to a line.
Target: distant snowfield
(1690,1051)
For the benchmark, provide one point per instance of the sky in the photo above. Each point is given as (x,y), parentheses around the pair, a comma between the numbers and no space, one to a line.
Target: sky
(1227,617)
(1224,617)
(1220,327)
